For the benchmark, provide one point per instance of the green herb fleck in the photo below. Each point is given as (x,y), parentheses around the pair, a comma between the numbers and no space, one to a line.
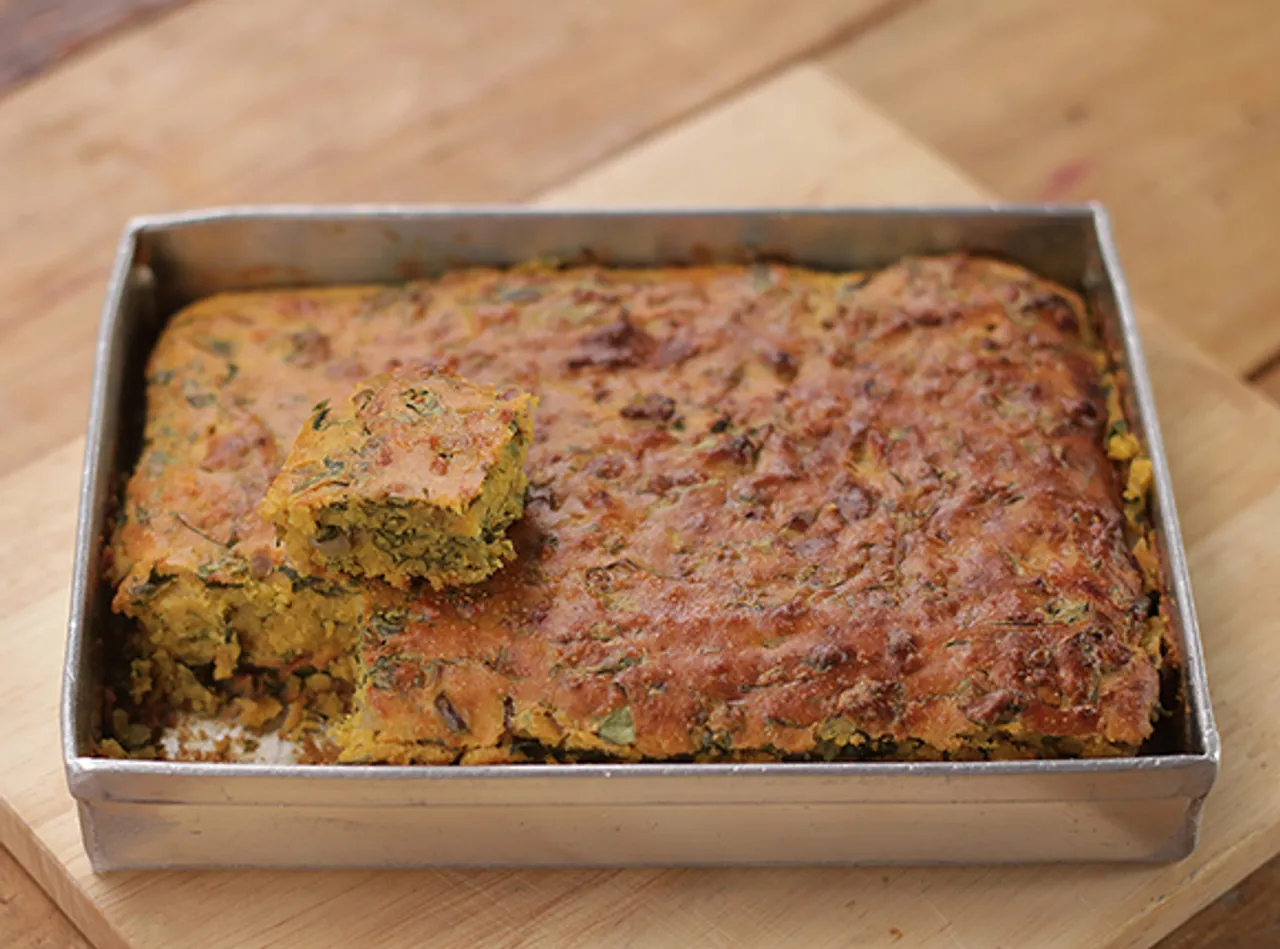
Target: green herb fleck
(423,402)
(149,587)
(519,295)
(390,623)
(321,411)
(626,662)
(332,469)
(761,277)
(195,530)
(299,582)
(1066,612)
(452,717)
(619,727)
(219,347)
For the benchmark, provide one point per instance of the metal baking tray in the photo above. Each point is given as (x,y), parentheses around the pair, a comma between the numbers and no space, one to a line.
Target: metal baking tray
(157,814)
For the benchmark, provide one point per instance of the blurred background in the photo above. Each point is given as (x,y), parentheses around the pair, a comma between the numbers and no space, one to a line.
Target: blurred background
(1166,110)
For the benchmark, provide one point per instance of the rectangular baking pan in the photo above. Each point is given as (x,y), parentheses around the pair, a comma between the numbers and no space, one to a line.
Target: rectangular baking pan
(148,814)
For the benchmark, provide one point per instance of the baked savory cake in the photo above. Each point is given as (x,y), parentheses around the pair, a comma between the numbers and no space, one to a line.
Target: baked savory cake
(772,514)
(415,475)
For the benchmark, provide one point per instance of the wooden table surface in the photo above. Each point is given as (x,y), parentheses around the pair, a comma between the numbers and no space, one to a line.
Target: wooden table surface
(1167,110)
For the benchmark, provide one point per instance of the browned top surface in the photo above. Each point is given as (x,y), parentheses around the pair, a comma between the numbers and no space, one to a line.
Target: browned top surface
(410,434)
(764,499)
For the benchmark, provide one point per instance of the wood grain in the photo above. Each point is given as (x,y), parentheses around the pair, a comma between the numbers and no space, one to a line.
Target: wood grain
(35,35)
(1224,444)
(227,101)
(1167,110)
(28,920)
(1245,917)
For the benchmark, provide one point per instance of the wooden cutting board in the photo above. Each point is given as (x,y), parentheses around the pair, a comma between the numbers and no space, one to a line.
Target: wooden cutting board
(798,138)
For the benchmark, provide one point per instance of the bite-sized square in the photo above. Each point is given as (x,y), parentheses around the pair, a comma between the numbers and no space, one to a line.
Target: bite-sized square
(416,474)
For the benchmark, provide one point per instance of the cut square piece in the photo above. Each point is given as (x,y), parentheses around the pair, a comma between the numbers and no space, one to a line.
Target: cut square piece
(417,474)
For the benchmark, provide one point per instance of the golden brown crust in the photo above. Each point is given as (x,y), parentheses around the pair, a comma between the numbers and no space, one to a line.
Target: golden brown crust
(772,513)
(779,513)
(410,434)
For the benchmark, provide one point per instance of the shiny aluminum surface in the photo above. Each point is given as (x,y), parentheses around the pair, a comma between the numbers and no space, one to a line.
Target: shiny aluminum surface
(138,814)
